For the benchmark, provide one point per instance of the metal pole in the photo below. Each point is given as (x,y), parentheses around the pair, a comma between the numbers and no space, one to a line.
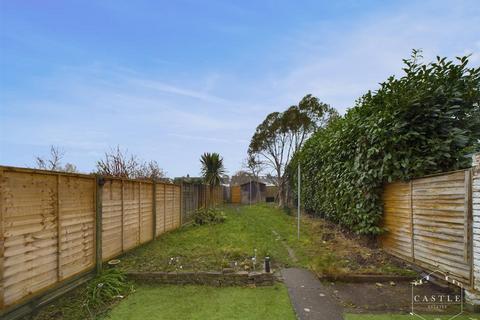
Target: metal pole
(250,193)
(298,204)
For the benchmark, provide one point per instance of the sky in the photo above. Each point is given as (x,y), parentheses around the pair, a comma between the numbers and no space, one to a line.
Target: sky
(170,80)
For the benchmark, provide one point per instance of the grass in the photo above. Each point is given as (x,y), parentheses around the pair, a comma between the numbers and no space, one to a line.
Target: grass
(321,247)
(212,247)
(199,302)
(407,317)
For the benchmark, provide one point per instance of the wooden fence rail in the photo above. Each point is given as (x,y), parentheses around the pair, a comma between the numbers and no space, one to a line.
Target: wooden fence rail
(57,228)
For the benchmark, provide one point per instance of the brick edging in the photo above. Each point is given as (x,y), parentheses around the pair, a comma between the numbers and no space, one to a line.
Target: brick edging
(218,279)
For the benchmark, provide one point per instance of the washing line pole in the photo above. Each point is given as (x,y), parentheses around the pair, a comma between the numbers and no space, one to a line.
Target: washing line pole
(298,203)
(250,193)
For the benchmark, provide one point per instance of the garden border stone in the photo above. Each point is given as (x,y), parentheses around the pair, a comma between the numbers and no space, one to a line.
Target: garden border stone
(212,278)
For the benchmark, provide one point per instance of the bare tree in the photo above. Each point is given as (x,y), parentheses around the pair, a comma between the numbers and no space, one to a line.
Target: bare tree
(54,161)
(118,163)
(150,170)
(255,166)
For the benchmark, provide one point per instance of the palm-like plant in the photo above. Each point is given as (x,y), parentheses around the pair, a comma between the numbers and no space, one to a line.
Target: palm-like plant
(212,169)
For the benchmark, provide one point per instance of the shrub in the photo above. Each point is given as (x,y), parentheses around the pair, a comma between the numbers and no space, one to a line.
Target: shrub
(208,216)
(425,122)
(103,289)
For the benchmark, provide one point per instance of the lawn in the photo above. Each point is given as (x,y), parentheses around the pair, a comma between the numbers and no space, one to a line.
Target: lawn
(408,317)
(200,302)
(272,233)
(321,247)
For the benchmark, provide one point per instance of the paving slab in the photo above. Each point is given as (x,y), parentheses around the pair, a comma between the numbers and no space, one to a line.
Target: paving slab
(311,299)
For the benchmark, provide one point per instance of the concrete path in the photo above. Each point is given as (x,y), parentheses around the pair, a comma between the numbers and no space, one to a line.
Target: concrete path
(310,298)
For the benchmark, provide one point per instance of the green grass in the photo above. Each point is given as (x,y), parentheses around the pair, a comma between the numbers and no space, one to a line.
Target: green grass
(212,247)
(408,317)
(267,229)
(199,302)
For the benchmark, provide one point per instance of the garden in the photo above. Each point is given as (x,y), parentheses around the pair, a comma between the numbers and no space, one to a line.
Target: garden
(240,241)
(196,271)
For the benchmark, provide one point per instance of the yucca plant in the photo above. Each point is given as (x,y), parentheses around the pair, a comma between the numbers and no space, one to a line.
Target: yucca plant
(212,170)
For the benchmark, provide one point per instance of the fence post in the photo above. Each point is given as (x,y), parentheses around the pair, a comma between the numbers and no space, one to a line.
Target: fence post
(2,244)
(59,227)
(154,209)
(123,211)
(98,222)
(181,202)
(472,296)
(139,239)
(164,205)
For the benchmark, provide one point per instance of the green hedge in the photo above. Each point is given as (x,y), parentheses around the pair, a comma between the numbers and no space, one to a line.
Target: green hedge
(427,121)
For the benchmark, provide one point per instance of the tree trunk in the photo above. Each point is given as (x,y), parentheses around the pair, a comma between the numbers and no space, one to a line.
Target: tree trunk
(281,193)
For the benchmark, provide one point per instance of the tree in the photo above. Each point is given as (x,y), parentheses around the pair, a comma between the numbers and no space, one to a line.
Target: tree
(54,161)
(118,163)
(212,169)
(282,134)
(426,121)
(255,166)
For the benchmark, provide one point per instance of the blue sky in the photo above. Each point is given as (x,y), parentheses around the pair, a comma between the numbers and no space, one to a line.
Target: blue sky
(169,80)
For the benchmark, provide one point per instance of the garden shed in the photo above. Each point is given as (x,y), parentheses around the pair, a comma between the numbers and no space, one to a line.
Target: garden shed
(253,192)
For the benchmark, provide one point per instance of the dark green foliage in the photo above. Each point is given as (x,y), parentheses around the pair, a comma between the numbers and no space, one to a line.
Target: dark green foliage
(425,122)
(208,216)
(102,290)
(212,168)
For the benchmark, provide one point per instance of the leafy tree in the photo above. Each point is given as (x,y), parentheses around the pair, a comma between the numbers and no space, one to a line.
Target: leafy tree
(425,122)
(212,169)
(281,134)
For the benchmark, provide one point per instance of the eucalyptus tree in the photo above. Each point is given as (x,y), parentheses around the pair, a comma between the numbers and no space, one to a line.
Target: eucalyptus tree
(282,134)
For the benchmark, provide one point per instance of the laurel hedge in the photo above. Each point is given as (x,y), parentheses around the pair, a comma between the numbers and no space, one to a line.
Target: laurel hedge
(424,122)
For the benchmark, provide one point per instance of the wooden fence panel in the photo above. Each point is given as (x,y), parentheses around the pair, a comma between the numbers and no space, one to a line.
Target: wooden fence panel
(29,214)
(169,206)
(177,206)
(160,207)
(112,219)
(131,206)
(397,220)
(428,222)
(76,225)
(440,223)
(236,194)
(146,212)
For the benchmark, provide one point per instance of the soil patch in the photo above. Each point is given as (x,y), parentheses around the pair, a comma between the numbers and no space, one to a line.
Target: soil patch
(385,296)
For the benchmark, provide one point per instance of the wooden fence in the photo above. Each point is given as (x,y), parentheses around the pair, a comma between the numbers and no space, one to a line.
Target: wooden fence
(196,196)
(56,227)
(428,222)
